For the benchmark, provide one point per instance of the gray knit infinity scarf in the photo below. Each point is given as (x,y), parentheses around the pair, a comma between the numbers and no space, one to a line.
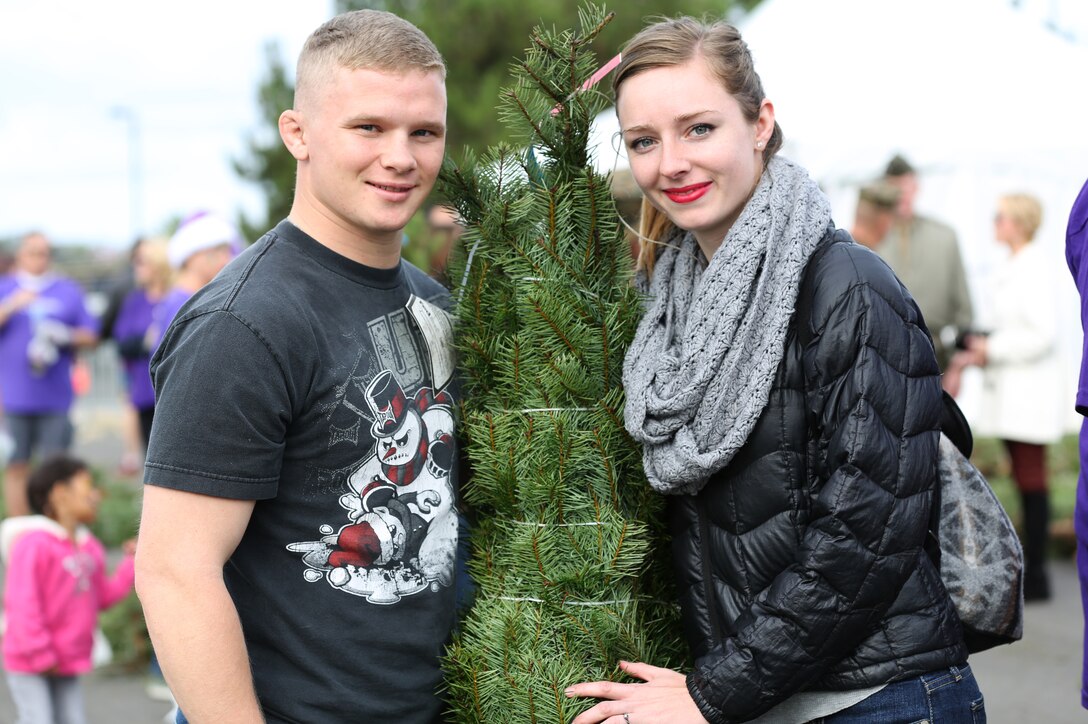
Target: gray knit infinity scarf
(699,371)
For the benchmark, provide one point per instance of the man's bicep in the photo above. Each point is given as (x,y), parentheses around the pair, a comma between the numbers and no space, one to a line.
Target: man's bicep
(186,530)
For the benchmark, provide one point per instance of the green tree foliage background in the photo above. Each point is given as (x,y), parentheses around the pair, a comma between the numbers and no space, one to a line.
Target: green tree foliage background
(479,39)
(267,162)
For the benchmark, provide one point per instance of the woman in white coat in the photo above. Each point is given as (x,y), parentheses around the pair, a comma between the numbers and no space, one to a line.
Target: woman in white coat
(1022,398)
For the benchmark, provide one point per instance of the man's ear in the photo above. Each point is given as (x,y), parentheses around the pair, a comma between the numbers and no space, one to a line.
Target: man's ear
(292,133)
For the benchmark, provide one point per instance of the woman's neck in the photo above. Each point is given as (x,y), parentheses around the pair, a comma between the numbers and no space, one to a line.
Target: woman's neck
(156,291)
(1017,245)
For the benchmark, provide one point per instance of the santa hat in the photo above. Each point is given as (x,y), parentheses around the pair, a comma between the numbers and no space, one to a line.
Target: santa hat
(201,231)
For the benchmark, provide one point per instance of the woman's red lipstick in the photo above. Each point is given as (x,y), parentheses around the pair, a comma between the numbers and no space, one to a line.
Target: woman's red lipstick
(687,194)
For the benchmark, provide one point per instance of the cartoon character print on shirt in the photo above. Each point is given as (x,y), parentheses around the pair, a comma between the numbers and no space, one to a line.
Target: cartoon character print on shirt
(402,531)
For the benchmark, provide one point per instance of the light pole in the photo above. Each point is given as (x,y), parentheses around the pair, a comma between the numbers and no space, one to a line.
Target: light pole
(135,183)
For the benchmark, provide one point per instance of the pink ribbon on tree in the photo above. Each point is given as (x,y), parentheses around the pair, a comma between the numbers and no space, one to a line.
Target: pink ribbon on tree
(594,79)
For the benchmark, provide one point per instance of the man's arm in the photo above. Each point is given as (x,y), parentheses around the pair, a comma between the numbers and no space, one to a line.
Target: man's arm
(185,539)
(962,310)
(83,338)
(85,330)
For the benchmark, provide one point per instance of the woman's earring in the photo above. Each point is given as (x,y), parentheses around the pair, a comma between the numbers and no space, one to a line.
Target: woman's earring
(759,144)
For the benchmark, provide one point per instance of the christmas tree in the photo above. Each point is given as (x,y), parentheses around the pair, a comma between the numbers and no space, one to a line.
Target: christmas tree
(567,538)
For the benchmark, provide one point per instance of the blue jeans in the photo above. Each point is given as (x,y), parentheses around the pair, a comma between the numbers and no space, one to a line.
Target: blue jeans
(41,699)
(947,696)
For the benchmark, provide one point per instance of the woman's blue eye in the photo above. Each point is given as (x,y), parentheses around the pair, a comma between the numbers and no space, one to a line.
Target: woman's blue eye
(640,143)
(701,129)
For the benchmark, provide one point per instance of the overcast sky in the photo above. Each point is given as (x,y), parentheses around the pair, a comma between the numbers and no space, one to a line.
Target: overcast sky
(75,75)
(77,78)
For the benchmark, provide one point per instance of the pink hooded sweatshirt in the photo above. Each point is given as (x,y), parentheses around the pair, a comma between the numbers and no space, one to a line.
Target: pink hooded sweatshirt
(53,592)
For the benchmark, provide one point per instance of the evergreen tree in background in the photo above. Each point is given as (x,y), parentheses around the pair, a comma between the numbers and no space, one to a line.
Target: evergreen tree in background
(267,163)
(566,528)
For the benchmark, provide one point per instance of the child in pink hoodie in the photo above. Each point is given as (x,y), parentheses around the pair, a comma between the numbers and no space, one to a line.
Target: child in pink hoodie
(56,583)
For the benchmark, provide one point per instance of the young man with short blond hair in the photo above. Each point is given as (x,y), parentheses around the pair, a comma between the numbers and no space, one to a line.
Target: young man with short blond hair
(296,552)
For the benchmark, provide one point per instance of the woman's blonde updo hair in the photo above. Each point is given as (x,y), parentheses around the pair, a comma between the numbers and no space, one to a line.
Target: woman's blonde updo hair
(675,42)
(1024,210)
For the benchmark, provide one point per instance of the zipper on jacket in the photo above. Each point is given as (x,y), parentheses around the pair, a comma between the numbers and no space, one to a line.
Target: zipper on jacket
(704,562)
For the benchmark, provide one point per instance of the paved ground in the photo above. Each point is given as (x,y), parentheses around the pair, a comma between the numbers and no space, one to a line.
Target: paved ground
(1035,681)
(110,700)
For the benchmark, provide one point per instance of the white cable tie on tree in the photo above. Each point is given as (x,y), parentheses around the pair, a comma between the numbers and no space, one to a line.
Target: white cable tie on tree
(558,525)
(613,602)
(468,267)
(542,279)
(553,409)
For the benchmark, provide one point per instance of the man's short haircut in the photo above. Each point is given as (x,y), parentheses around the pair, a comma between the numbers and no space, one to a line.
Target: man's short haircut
(371,39)
(899,166)
(880,194)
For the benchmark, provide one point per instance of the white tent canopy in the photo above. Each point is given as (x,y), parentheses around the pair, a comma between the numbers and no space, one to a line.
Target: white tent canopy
(955,86)
(977,95)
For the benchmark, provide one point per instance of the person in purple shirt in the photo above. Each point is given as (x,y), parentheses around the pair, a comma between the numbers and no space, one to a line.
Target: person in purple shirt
(132,326)
(198,250)
(1076,249)
(43,320)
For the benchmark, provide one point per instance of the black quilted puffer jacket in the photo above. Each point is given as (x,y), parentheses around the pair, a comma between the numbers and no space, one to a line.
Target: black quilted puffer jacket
(803,564)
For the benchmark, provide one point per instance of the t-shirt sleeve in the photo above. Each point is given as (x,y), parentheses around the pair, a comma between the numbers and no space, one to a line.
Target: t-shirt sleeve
(7,288)
(222,410)
(163,314)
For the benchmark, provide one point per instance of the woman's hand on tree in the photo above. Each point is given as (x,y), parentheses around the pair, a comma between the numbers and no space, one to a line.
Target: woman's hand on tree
(663,697)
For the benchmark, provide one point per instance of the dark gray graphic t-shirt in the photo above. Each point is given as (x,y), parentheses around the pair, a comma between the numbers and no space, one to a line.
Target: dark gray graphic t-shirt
(323,389)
